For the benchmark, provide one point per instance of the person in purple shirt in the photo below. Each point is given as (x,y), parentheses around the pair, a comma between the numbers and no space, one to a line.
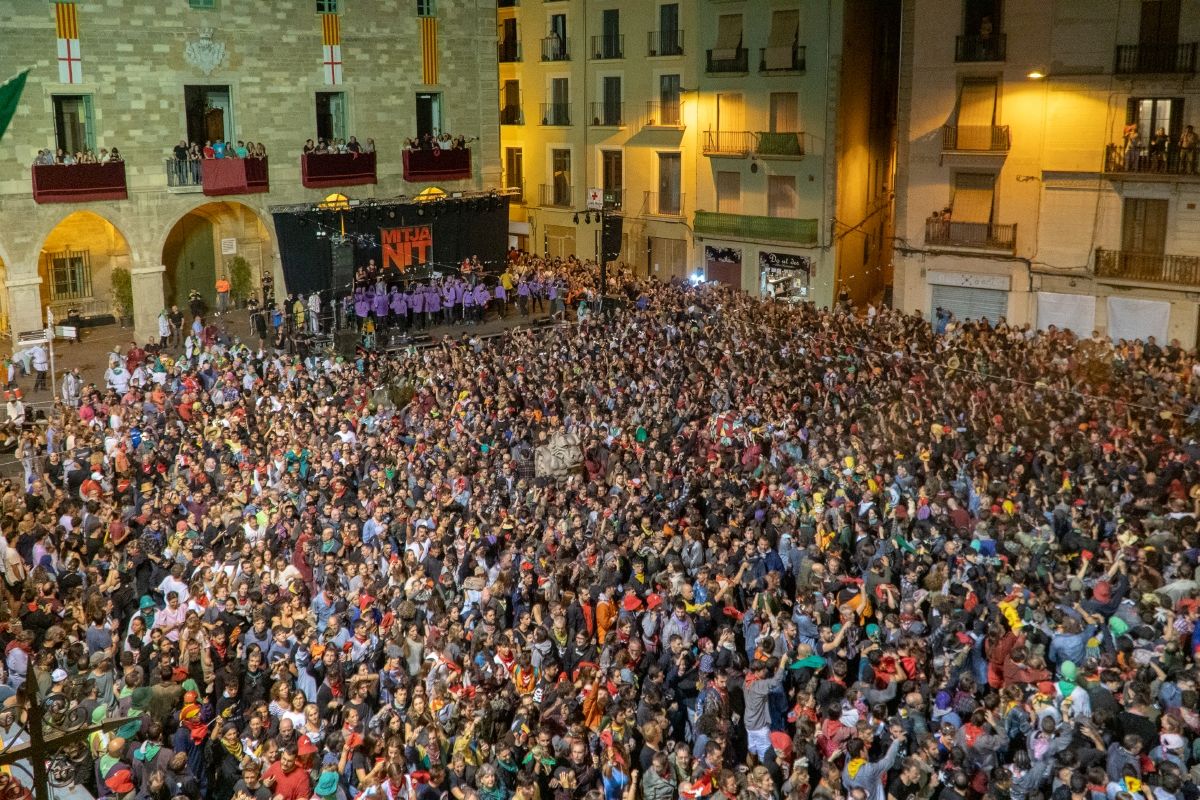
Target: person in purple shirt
(501,300)
(362,308)
(380,307)
(468,301)
(481,300)
(556,303)
(417,304)
(523,296)
(399,307)
(536,292)
(448,295)
(433,305)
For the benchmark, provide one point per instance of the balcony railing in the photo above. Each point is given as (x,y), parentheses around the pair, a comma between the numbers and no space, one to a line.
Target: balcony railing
(781,60)
(663,205)
(1149,267)
(743,226)
(980,48)
(556,194)
(321,170)
(508,51)
(985,235)
(665,43)
(610,114)
(556,113)
(518,187)
(511,115)
(730,62)
(555,49)
(423,166)
(222,176)
(728,143)
(1141,161)
(183,175)
(79,183)
(1138,59)
(976,138)
(663,115)
(608,46)
(779,145)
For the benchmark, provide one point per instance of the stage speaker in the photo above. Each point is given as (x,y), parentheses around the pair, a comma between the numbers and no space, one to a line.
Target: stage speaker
(344,342)
(610,237)
(342,260)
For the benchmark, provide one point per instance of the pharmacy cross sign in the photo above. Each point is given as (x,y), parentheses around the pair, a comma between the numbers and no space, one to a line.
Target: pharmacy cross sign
(595,200)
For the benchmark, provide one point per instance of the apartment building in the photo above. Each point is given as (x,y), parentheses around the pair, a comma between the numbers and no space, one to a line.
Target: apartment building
(712,131)
(142,77)
(1050,172)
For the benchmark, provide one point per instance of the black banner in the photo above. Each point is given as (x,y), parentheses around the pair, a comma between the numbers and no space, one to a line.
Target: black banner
(783,261)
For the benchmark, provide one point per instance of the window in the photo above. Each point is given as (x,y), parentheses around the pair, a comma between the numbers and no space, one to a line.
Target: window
(981,18)
(331,115)
(729,192)
(429,113)
(74,130)
(730,111)
(203,5)
(560,160)
(610,109)
(785,117)
(510,111)
(974,197)
(669,42)
(1159,27)
(668,98)
(782,41)
(612,175)
(1144,226)
(1151,114)
(781,196)
(609,44)
(426,8)
(729,37)
(328,6)
(670,201)
(209,114)
(70,275)
(976,114)
(514,168)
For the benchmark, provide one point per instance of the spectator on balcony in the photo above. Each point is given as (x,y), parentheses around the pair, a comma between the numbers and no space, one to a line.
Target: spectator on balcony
(369,147)
(69,160)
(219,149)
(44,158)
(1159,143)
(209,150)
(114,157)
(260,150)
(353,146)
(1188,143)
(194,152)
(1132,138)
(181,151)
(241,149)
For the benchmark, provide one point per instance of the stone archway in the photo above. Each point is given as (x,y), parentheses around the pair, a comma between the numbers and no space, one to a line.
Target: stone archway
(78,261)
(212,240)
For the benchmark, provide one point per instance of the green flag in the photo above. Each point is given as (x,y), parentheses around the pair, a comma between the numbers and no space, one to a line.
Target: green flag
(10,95)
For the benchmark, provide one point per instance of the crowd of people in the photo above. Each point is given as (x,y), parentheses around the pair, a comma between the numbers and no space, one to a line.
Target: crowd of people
(337,146)
(785,552)
(436,141)
(48,157)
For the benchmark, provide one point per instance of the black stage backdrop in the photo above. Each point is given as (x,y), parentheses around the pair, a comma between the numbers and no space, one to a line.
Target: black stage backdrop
(459,228)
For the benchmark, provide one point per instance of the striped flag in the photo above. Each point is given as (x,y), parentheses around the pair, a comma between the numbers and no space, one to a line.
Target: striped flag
(429,51)
(66,27)
(331,48)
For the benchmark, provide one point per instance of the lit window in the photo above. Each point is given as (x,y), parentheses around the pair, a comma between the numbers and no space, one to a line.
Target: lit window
(70,275)
(426,8)
(328,6)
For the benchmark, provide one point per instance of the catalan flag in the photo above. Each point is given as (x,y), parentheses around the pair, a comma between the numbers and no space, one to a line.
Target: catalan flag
(331,48)
(66,27)
(429,50)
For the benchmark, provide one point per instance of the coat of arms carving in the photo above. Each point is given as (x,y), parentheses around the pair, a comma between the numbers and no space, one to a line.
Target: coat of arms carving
(204,53)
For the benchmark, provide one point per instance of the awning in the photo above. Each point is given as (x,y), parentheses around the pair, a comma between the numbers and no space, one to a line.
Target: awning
(785,30)
(976,113)
(729,37)
(972,198)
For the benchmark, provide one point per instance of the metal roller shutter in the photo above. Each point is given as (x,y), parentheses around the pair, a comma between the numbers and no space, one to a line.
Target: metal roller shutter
(967,303)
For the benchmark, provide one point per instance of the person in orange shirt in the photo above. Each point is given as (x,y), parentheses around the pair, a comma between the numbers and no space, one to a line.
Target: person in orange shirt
(223,288)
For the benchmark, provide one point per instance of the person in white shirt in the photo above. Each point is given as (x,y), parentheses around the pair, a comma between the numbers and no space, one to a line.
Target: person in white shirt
(116,377)
(314,313)
(41,366)
(16,409)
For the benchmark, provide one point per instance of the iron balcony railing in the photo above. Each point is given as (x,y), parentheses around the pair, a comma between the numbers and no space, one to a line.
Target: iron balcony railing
(556,194)
(511,115)
(182,173)
(733,65)
(1140,59)
(611,114)
(730,143)
(988,235)
(1149,267)
(1168,160)
(608,46)
(508,51)
(756,228)
(555,49)
(980,48)
(976,138)
(668,204)
(556,113)
(665,43)
(663,115)
(797,63)
(789,145)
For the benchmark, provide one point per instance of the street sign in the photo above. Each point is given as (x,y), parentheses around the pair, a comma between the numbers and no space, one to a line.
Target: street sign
(595,200)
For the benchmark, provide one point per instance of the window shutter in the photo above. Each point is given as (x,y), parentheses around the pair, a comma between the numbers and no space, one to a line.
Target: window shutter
(1131,109)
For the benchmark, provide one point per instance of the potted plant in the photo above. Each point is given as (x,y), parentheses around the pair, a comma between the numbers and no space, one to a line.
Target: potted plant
(122,292)
(239,278)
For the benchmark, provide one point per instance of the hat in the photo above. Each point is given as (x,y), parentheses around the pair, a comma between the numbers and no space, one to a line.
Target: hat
(329,760)
(327,786)
(781,742)
(1118,626)
(305,746)
(631,602)
(654,601)
(97,659)
(146,602)
(1068,670)
(58,676)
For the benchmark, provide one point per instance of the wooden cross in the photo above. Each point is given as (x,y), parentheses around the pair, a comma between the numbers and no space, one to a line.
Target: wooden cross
(40,747)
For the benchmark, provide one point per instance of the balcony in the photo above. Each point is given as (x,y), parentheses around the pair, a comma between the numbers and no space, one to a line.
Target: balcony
(556,114)
(976,235)
(223,176)
(975,139)
(183,176)
(780,60)
(608,47)
(1138,163)
(511,115)
(728,62)
(423,166)
(508,51)
(973,49)
(730,144)
(610,115)
(555,49)
(322,170)
(517,190)
(658,204)
(779,145)
(79,183)
(556,195)
(662,115)
(1137,59)
(665,43)
(1148,267)
(744,226)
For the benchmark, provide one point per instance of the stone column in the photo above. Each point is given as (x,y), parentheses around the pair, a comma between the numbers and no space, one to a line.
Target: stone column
(147,301)
(25,311)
